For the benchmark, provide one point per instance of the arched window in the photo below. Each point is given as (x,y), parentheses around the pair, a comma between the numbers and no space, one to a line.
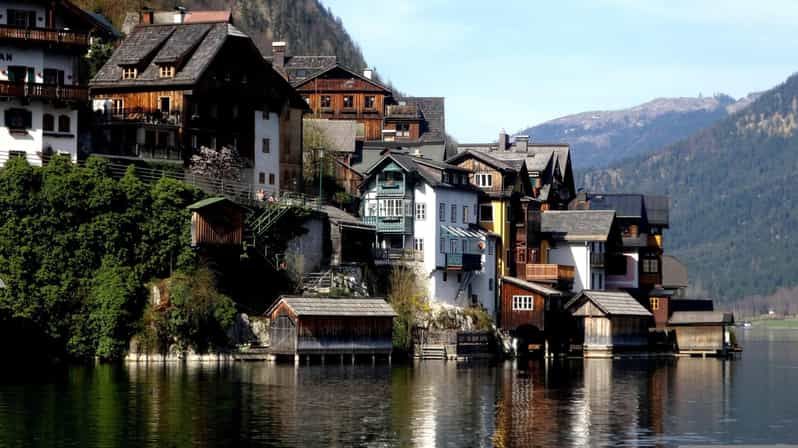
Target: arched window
(63,123)
(48,122)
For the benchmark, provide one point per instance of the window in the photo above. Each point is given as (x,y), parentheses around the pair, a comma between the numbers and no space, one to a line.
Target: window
(271,178)
(484,180)
(21,18)
(459,278)
(118,107)
(445,276)
(194,141)
(491,248)
(490,284)
(445,178)
(654,303)
(265,114)
(261,178)
(266,148)
(326,102)
(53,77)
(18,119)
(443,245)
(486,213)
(418,244)
(369,101)
(129,72)
(48,123)
(403,129)
(520,255)
(465,246)
(391,208)
(64,123)
(650,265)
(452,246)
(453,216)
(523,303)
(465,214)
(165,104)
(421,211)
(167,71)
(442,212)
(349,101)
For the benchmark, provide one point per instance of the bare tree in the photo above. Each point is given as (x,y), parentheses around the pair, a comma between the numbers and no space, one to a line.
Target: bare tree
(224,163)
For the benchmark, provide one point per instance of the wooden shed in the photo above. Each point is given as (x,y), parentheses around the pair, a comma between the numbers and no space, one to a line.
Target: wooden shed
(216,221)
(702,332)
(530,312)
(608,321)
(331,326)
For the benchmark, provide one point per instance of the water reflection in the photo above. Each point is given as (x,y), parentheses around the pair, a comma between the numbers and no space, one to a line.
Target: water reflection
(531,403)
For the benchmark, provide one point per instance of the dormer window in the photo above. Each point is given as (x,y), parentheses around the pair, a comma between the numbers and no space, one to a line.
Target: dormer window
(167,71)
(129,72)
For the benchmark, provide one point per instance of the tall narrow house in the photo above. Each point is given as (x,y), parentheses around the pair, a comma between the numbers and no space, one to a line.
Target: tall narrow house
(425,215)
(42,80)
(172,88)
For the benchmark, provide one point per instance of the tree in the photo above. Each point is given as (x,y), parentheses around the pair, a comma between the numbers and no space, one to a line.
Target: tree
(408,297)
(224,163)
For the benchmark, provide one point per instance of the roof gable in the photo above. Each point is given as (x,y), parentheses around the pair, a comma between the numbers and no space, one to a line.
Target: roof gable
(335,307)
(578,225)
(611,303)
(337,71)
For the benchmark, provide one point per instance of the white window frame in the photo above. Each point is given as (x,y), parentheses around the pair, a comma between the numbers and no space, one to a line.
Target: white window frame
(484,180)
(421,211)
(523,303)
(418,244)
(442,211)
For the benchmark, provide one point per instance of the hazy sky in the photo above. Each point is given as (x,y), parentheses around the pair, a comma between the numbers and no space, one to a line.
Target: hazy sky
(509,64)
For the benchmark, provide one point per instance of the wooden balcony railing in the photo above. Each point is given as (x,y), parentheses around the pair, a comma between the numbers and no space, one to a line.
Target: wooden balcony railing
(140,115)
(551,273)
(45,91)
(44,35)
(464,262)
(397,255)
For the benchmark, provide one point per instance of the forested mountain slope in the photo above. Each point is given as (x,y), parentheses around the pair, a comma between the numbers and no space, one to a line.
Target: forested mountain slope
(733,190)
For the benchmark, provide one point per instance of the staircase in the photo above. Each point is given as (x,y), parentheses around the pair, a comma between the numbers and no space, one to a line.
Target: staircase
(266,215)
(429,351)
(469,275)
(317,282)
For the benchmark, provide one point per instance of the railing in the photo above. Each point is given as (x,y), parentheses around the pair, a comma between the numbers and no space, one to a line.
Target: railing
(391,188)
(140,115)
(549,272)
(398,224)
(397,255)
(464,262)
(597,259)
(47,35)
(48,91)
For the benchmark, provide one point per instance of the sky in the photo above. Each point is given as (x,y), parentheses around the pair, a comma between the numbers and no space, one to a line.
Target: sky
(511,64)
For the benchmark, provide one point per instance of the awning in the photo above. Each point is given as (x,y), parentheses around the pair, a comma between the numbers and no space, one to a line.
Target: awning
(460,232)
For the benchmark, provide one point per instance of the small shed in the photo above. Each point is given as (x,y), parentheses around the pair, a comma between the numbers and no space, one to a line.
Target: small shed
(216,221)
(609,321)
(331,326)
(702,332)
(530,312)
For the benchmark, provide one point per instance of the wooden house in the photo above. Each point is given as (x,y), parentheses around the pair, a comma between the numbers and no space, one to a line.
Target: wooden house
(530,313)
(330,326)
(607,321)
(702,332)
(216,222)
(170,89)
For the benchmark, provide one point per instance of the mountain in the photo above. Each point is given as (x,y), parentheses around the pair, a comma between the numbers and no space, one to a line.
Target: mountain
(734,210)
(307,26)
(599,138)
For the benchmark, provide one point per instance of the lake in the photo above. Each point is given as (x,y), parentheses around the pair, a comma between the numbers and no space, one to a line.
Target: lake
(558,403)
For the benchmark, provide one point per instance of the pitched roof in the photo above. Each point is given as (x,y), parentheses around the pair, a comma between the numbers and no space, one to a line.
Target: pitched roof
(338,216)
(210,202)
(429,170)
(344,69)
(674,273)
(578,225)
(299,68)
(658,210)
(487,158)
(536,287)
(701,318)
(431,110)
(328,306)
(625,205)
(612,303)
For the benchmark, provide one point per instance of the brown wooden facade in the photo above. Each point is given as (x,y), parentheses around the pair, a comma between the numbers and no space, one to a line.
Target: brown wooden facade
(217,222)
(512,319)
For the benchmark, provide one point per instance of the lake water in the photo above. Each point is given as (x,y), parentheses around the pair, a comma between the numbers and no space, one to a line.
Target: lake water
(565,403)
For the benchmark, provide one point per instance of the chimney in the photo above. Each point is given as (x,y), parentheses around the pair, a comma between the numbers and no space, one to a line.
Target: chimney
(146,16)
(503,140)
(368,73)
(522,143)
(278,54)
(180,15)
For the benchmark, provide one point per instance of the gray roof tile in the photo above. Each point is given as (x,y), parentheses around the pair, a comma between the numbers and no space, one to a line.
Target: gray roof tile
(578,225)
(701,318)
(348,307)
(612,303)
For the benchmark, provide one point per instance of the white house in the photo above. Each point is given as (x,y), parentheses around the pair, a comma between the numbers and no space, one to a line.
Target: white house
(425,213)
(41,47)
(579,238)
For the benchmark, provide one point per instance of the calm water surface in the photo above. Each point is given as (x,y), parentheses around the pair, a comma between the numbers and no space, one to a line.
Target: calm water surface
(571,403)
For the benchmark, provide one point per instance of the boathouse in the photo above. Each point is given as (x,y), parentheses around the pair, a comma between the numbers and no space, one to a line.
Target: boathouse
(702,332)
(608,321)
(216,221)
(529,312)
(309,326)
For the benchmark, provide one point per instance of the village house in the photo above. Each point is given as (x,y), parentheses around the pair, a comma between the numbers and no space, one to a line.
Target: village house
(425,213)
(702,332)
(43,77)
(532,314)
(608,321)
(172,88)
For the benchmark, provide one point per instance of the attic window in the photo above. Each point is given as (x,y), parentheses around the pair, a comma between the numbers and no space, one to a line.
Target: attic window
(129,72)
(167,71)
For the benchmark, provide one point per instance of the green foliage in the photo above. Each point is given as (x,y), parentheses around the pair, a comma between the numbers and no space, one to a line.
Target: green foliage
(734,211)
(99,52)
(76,244)
(408,298)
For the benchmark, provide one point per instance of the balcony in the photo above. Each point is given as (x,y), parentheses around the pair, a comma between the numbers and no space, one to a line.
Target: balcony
(146,152)
(597,260)
(463,262)
(44,91)
(549,273)
(44,35)
(394,256)
(389,224)
(141,116)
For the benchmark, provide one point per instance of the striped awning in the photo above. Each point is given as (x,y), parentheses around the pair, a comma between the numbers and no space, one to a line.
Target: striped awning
(460,232)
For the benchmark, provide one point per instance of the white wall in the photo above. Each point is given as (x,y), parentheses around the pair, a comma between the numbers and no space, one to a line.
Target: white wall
(33,141)
(41,18)
(575,254)
(39,60)
(268,127)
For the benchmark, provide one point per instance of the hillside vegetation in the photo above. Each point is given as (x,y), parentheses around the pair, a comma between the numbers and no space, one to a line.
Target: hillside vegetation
(734,218)
(307,26)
